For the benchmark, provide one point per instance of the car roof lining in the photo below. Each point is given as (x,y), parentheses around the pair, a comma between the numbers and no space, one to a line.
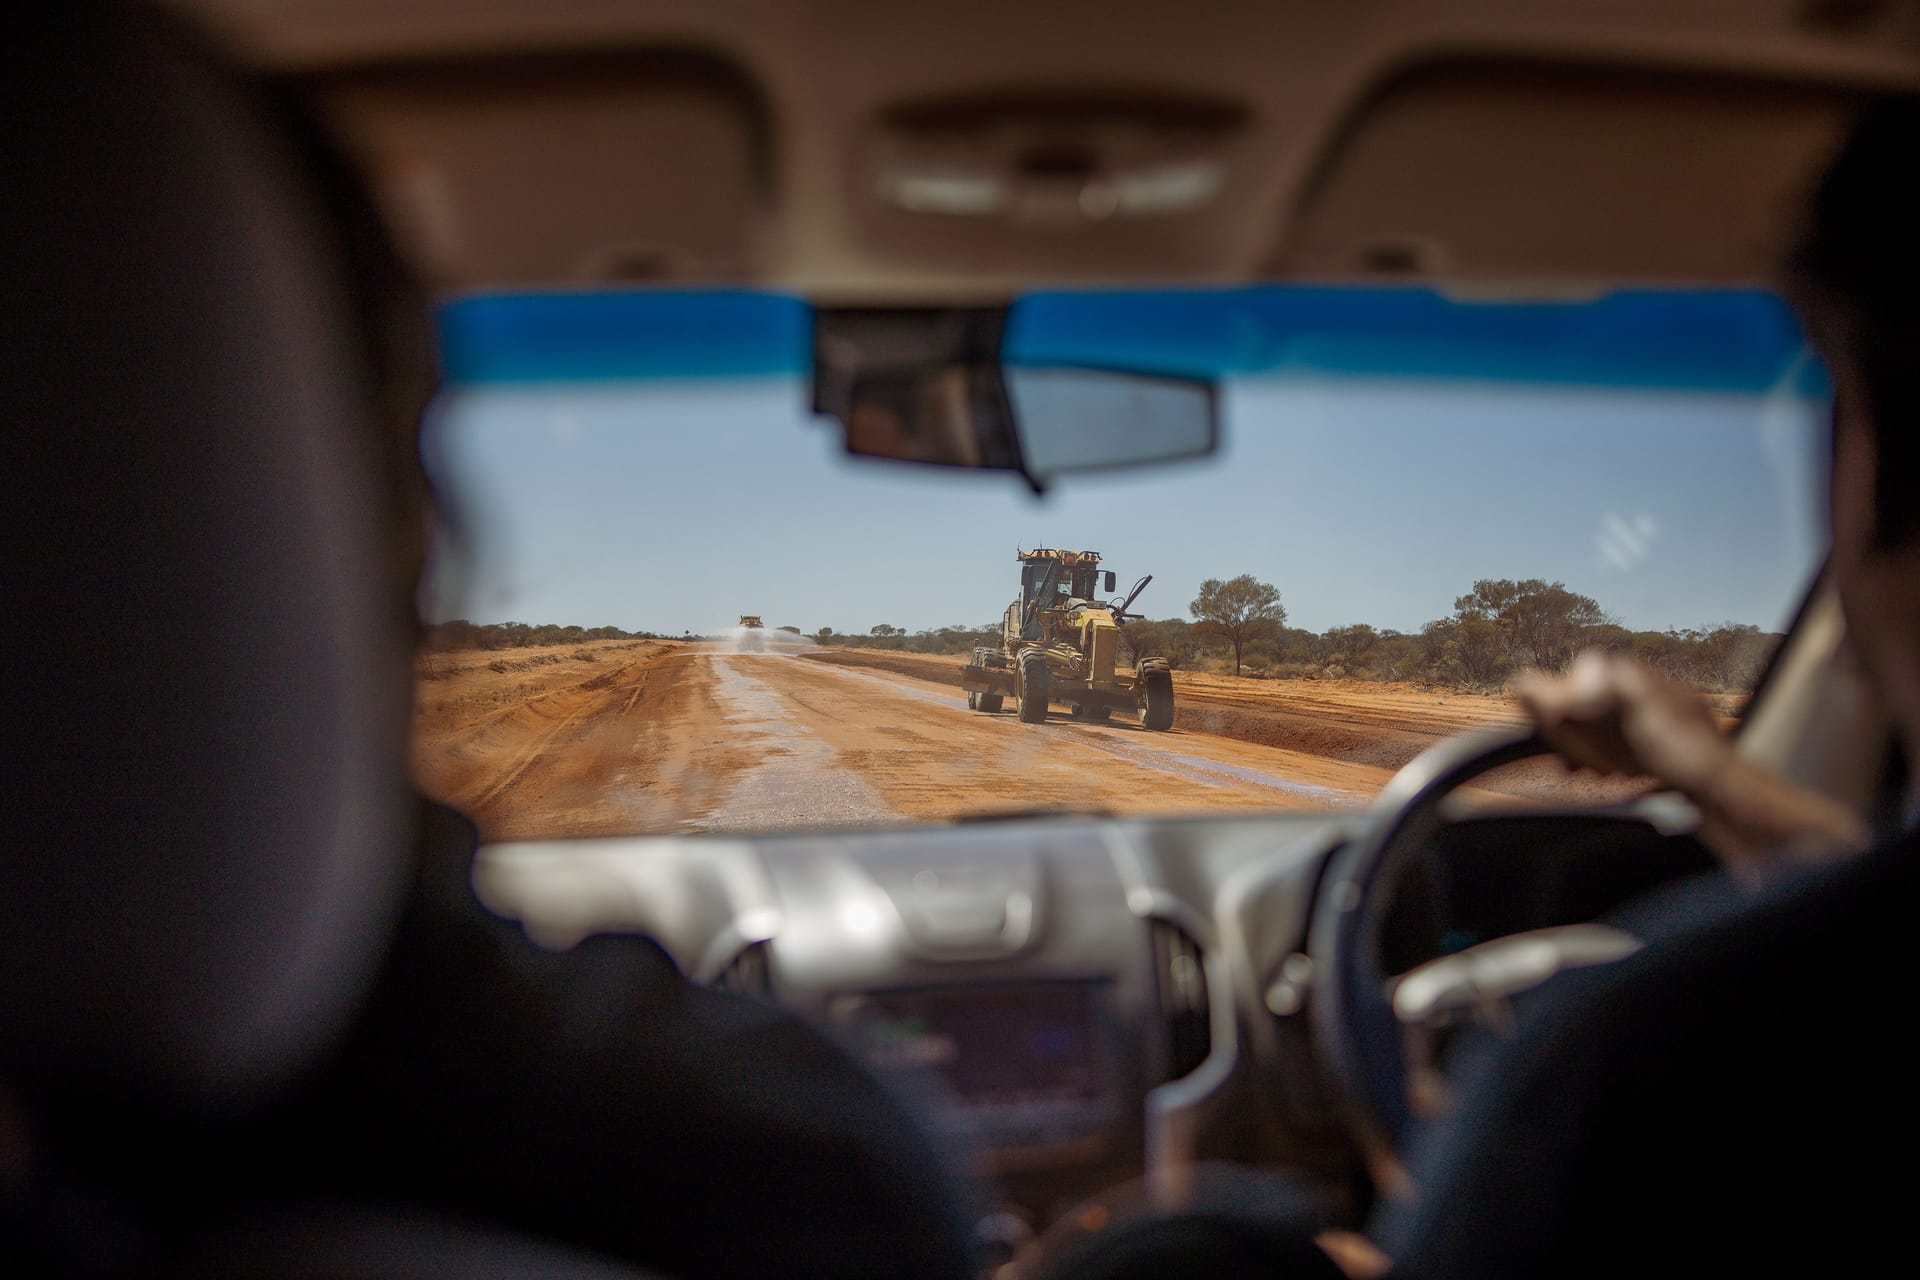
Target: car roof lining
(1532,173)
(545,168)
(1303,118)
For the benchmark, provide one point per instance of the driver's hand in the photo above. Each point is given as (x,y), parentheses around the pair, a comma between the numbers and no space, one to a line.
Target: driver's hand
(1617,716)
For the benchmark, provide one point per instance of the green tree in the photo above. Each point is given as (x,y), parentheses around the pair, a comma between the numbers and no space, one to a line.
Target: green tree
(1238,610)
(1468,652)
(1349,648)
(1170,638)
(1540,624)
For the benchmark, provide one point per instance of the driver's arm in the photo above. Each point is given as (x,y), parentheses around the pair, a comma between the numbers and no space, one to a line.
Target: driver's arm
(1616,716)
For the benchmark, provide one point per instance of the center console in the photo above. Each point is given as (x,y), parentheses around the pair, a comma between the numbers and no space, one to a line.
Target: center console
(1022,1067)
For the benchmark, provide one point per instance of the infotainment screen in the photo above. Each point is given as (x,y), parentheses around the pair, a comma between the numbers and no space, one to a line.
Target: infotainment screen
(1023,1064)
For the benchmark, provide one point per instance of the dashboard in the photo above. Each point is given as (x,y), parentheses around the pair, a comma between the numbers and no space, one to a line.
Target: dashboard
(1081,1004)
(1087,1009)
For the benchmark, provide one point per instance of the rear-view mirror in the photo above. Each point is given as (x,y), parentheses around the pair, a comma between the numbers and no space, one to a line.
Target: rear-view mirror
(1096,419)
(932,386)
(1045,424)
(950,416)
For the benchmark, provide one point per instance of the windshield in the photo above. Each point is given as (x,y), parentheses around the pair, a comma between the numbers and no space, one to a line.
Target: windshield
(1397,521)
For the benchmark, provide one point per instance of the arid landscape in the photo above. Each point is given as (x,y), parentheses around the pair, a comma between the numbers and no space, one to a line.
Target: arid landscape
(625,736)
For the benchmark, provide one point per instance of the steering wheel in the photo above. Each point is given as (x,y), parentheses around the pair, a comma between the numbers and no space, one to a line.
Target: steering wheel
(1358,1013)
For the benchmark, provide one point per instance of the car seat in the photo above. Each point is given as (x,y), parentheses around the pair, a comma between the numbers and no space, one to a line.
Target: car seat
(208,819)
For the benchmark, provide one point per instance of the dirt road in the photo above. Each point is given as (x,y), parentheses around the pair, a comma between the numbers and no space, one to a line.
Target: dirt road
(625,736)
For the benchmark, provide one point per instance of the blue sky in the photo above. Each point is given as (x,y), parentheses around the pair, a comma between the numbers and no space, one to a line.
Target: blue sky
(671,506)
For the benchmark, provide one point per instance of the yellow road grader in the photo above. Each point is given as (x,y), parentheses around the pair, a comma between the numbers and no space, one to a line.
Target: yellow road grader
(1061,643)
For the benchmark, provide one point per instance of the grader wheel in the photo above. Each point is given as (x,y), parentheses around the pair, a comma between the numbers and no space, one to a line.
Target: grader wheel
(1036,687)
(1156,695)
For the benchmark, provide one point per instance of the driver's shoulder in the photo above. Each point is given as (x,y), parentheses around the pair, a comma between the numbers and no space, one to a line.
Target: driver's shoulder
(1807,918)
(1736,989)
(1716,1077)
(1733,992)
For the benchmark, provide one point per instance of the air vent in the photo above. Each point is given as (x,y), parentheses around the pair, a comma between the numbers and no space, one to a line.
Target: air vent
(750,972)
(1180,974)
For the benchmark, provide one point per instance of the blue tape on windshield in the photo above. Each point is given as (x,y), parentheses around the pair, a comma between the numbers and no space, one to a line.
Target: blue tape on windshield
(1708,340)
(1719,340)
(638,334)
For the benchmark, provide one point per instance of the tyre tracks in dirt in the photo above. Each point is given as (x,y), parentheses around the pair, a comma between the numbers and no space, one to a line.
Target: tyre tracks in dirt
(1318,725)
(580,751)
(696,737)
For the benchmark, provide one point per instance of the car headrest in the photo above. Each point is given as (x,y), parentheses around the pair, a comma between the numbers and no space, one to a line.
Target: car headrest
(206,660)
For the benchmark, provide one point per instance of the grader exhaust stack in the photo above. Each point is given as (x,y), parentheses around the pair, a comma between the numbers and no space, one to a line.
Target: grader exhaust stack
(1060,643)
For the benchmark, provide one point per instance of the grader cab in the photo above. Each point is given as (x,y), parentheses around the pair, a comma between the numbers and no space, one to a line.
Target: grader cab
(1060,642)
